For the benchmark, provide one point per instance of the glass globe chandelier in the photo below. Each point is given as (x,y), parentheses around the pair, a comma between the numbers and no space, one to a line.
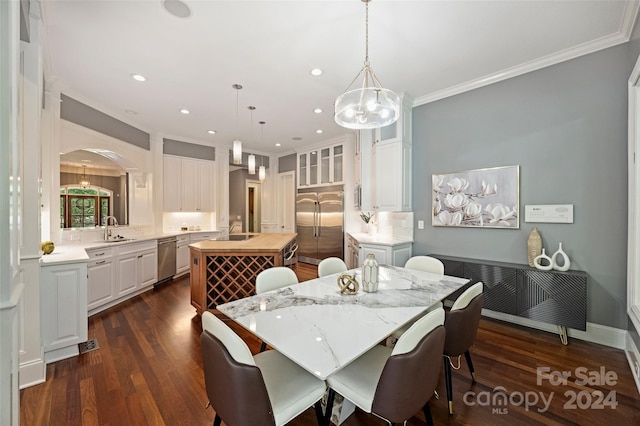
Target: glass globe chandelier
(371,106)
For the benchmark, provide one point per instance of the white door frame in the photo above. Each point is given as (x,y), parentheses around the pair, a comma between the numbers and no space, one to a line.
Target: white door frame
(286,206)
(257,186)
(633,286)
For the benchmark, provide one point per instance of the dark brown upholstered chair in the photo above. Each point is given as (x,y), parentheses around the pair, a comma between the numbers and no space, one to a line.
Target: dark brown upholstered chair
(395,383)
(462,326)
(244,390)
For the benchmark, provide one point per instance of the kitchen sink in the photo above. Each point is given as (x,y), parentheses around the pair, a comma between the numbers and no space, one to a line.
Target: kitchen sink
(119,240)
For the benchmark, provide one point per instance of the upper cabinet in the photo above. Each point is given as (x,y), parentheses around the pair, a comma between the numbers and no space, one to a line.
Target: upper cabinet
(188,185)
(322,166)
(385,164)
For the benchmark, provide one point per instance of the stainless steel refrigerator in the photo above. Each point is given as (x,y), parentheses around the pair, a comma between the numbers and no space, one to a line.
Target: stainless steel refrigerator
(319,224)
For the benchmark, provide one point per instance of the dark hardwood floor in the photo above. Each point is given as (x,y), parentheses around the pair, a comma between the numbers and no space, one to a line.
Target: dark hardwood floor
(148,371)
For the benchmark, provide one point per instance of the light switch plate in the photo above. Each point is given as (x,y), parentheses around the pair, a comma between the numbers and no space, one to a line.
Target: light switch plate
(549,213)
(421,224)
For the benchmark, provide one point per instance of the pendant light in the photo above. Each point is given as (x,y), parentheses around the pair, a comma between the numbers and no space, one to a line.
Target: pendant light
(84,180)
(370,106)
(237,145)
(262,172)
(252,164)
(251,160)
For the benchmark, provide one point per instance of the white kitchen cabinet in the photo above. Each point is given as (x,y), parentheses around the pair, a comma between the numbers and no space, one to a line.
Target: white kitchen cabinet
(396,255)
(321,166)
(206,189)
(353,252)
(182,255)
(188,184)
(119,272)
(201,236)
(393,177)
(172,171)
(100,278)
(63,298)
(189,191)
(136,267)
(401,129)
(385,164)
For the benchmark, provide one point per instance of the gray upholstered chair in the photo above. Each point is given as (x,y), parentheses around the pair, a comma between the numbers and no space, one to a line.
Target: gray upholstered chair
(331,265)
(395,383)
(462,326)
(266,389)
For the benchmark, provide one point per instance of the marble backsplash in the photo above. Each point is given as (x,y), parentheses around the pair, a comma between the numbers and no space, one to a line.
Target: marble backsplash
(394,224)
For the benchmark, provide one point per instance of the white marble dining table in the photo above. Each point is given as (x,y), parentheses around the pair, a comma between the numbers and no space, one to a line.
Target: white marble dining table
(322,330)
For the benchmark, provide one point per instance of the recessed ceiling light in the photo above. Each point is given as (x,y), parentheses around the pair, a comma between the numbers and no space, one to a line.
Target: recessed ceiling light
(319,131)
(316,71)
(278,144)
(177,8)
(185,111)
(211,132)
(139,77)
(317,110)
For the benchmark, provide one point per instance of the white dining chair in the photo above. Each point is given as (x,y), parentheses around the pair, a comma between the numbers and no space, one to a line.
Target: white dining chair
(331,265)
(395,383)
(425,264)
(274,278)
(243,389)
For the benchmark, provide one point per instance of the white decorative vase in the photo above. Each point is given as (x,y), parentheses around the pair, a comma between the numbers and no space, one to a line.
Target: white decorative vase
(566,263)
(539,261)
(370,269)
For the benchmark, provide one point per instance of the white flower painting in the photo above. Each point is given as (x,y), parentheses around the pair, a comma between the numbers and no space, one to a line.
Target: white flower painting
(487,198)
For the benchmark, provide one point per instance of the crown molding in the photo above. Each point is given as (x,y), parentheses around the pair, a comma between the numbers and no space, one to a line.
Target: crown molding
(622,36)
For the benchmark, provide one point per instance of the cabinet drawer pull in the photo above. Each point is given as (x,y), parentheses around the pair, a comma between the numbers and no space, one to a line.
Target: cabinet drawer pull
(99,254)
(139,256)
(101,262)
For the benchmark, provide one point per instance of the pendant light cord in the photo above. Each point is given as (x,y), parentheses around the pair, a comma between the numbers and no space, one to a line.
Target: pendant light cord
(366,33)
(237,115)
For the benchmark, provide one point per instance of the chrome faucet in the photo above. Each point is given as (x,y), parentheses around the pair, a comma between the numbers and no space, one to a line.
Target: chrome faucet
(107,231)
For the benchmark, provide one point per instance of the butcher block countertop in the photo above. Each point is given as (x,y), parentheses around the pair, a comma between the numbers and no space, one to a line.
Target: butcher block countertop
(259,242)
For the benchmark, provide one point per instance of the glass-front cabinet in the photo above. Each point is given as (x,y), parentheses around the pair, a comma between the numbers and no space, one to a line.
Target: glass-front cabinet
(322,166)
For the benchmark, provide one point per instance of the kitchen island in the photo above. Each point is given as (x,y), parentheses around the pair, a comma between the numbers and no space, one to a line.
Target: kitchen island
(226,270)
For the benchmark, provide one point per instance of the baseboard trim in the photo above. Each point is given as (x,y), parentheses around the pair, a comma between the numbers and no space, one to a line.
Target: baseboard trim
(596,333)
(633,357)
(32,373)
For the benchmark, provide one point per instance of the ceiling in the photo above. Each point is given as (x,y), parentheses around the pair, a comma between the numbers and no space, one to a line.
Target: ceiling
(427,49)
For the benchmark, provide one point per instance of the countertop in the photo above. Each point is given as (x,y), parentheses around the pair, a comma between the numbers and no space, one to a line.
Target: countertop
(383,240)
(76,252)
(264,241)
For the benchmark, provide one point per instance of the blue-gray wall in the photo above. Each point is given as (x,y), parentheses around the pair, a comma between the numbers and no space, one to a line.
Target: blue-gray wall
(566,126)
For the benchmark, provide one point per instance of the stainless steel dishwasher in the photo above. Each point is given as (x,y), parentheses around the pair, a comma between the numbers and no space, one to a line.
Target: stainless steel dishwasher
(166,259)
